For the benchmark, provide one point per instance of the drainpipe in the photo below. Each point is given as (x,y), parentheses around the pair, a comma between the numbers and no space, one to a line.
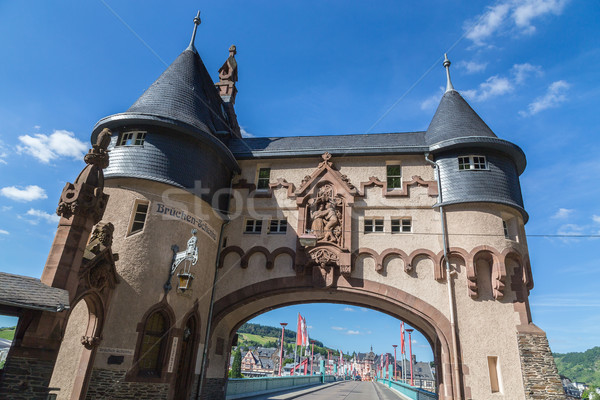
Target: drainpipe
(448,280)
(212,297)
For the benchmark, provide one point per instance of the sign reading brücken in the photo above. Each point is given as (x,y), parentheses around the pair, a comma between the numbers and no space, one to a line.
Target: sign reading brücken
(176,213)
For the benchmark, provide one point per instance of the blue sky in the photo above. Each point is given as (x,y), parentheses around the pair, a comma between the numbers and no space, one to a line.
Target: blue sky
(529,68)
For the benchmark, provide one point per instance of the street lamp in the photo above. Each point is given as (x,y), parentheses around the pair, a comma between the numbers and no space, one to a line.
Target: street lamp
(394,346)
(312,356)
(308,239)
(410,331)
(283,324)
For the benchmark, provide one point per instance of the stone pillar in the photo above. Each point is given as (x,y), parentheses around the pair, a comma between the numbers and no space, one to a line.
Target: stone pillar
(540,375)
(30,363)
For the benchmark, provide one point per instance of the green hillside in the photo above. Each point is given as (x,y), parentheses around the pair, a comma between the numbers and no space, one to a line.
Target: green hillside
(580,367)
(7,333)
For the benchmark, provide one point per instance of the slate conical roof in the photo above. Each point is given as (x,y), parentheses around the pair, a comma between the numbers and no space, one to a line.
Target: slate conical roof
(183,96)
(454,118)
(184,93)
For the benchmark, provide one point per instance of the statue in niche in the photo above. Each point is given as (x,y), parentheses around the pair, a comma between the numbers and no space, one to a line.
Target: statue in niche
(326,216)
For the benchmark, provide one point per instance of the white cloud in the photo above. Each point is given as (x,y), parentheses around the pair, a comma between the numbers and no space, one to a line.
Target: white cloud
(3,153)
(511,15)
(472,67)
(6,208)
(245,133)
(596,218)
(338,328)
(522,71)
(488,23)
(351,332)
(50,218)
(432,101)
(349,309)
(45,148)
(527,10)
(3,232)
(493,86)
(555,96)
(563,213)
(29,193)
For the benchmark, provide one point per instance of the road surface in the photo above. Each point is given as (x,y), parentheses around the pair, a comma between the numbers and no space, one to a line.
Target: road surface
(348,390)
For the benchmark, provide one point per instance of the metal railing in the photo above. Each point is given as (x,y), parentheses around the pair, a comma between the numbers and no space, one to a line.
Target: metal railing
(411,392)
(244,387)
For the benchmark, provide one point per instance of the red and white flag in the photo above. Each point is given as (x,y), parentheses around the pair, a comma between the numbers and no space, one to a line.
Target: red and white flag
(305,332)
(402,337)
(299,335)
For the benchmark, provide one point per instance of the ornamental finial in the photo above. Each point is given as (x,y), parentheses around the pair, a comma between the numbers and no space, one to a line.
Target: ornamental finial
(197,21)
(447,63)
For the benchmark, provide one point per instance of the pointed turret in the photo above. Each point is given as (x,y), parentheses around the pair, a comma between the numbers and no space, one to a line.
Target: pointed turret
(454,117)
(175,132)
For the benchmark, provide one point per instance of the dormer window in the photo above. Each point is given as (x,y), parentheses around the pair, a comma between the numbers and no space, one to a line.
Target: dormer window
(132,138)
(472,162)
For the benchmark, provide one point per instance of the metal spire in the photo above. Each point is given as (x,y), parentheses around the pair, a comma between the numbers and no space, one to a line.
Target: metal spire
(197,22)
(447,63)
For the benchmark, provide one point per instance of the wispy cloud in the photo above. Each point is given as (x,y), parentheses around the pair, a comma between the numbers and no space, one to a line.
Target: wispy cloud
(471,67)
(349,309)
(432,101)
(338,328)
(6,208)
(351,332)
(523,71)
(3,232)
(498,85)
(596,218)
(245,133)
(511,16)
(46,148)
(563,213)
(43,215)
(3,153)
(28,193)
(554,96)
(494,86)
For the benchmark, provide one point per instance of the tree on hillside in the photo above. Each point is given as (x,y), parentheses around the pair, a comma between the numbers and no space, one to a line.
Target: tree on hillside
(236,367)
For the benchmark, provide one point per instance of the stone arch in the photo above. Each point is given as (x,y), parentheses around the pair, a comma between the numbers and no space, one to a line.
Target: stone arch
(233,309)
(165,309)
(228,250)
(283,250)
(393,252)
(369,252)
(422,253)
(254,250)
(497,270)
(78,349)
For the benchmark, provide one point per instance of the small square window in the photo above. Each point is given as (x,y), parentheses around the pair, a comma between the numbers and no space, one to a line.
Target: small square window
(394,177)
(264,177)
(505,228)
(253,226)
(472,162)
(403,225)
(130,138)
(373,225)
(278,226)
(139,216)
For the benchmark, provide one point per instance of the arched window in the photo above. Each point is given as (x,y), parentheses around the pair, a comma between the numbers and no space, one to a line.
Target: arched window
(154,341)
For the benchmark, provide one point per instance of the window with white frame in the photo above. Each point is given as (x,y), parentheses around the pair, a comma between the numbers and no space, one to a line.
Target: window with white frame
(253,226)
(263,178)
(132,138)
(394,177)
(278,226)
(472,162)
(401,225)
(138,220)
(373,225)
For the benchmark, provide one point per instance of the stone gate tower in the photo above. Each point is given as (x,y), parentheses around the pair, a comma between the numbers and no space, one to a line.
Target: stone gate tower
(212,229)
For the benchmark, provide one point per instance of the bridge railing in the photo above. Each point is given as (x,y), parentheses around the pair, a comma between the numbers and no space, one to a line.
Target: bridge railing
(244,387)
(409,391)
